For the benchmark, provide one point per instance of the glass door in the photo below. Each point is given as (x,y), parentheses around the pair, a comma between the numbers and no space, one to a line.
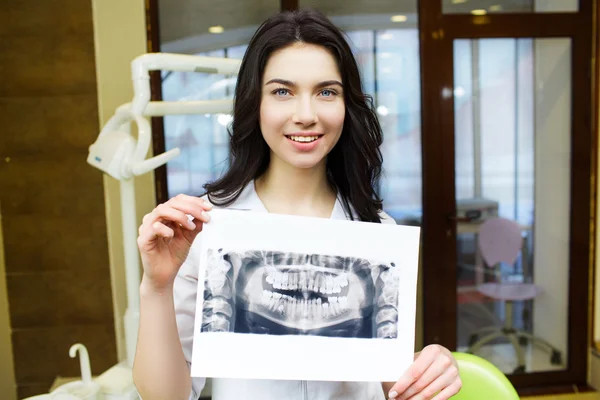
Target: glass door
(385,41)
(507,155)
(512,131)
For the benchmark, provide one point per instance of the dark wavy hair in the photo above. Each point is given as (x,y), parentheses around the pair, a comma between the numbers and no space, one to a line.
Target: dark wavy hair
(353,165)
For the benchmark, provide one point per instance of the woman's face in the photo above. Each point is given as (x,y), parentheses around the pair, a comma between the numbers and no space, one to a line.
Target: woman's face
(302,105)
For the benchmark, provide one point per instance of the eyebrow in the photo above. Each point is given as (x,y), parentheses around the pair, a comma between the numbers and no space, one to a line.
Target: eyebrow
(292,84)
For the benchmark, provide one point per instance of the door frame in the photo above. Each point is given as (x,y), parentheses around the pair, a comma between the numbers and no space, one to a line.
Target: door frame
(438,32)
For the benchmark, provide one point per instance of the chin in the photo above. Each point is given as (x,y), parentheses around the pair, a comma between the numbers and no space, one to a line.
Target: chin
(305,162)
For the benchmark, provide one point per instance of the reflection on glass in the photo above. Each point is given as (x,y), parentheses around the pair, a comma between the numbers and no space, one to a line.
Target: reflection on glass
(189,27)
(482,7)
(202,139)
(512,142)
(398,102)
(192,27)
(385,39)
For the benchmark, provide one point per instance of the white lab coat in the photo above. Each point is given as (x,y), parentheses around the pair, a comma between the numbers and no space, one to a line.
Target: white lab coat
(185,290)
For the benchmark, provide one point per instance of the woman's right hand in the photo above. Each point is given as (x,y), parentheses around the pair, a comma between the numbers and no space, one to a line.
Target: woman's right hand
(165,238)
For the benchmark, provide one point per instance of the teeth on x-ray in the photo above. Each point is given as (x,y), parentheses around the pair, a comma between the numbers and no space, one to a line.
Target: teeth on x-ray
(285,293)
(316,281)
(315,308)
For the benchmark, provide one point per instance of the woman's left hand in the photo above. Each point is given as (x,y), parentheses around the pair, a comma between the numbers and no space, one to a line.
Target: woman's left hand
(433,375)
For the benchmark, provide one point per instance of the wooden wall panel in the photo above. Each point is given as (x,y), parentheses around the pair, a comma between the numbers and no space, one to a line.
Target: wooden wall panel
(55,245)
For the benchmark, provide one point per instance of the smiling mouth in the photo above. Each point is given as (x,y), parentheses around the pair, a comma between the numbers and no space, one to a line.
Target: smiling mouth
(304,139)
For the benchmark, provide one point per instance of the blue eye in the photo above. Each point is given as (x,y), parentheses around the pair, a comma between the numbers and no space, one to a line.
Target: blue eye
(328,92)
(280,91)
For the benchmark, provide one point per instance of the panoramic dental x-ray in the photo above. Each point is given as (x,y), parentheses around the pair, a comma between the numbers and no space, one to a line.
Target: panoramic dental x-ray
(287,293)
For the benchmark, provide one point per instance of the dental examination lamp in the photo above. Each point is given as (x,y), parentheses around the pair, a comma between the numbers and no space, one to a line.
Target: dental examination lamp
(117,153)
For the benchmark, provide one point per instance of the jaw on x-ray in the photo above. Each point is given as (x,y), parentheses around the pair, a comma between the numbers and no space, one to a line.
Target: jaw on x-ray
(284,293)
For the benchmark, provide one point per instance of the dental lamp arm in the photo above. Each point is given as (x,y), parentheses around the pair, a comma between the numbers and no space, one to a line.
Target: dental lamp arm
(142,65)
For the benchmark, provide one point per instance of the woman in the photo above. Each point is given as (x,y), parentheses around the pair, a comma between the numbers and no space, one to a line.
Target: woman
(305,141)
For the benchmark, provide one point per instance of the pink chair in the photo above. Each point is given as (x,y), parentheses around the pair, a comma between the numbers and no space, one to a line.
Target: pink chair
(500,240)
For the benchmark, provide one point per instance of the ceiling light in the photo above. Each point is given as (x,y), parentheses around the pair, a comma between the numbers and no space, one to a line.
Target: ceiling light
(216,29)
(383,111)
(224,119)
(459,92)
(478,12)
(496,8)
(399,18)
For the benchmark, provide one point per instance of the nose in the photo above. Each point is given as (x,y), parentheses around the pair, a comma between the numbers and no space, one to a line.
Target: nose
(305,113)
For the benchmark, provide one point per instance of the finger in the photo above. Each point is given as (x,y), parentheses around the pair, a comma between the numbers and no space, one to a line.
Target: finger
(196,201)
(171,214)
(195,207)
(439,368)
(205,204)
(191,235)
(436,385)
(449,391)
(414,372)
(151,232)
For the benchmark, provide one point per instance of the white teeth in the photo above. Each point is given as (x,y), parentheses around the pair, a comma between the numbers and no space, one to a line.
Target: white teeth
(303,139)
(284,281)
(329,283)
(295,308)
(322,284)
(302,280)
(319,307)
(311,283)
(342,280)
(337,288)
(306,281)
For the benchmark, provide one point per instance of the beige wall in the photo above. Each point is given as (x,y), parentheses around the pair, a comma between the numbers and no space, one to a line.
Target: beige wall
(8,387)
(119,36)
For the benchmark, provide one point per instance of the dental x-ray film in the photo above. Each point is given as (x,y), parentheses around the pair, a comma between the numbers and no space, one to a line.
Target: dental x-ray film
(285,297)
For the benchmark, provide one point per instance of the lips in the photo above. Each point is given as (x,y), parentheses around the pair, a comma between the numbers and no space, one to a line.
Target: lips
(304,137)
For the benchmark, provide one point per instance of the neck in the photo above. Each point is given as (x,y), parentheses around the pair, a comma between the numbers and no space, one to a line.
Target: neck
(285,189)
